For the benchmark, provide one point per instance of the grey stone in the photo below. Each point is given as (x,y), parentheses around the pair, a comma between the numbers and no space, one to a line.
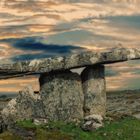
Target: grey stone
(62,96)
(94,117)
(94,89)
(9,112)
(68,62)
(26,105)
(137,116)
(40,121)
(3,126)
(92,122)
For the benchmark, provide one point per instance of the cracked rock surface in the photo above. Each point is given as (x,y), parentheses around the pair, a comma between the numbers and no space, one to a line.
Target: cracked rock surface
(68,62)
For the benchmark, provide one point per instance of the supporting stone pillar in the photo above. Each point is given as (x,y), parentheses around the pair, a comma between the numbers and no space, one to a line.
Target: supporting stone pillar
(62,96)
(94,89)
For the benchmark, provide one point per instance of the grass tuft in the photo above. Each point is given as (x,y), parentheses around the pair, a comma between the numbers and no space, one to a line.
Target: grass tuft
(123,129)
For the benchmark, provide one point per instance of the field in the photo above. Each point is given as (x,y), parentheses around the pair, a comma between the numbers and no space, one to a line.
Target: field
(123,129)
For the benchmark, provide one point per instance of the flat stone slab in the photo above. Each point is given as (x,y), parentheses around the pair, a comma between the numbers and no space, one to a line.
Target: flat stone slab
(72,61)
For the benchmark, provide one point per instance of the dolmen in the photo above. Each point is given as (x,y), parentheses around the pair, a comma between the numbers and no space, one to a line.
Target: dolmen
(64,95)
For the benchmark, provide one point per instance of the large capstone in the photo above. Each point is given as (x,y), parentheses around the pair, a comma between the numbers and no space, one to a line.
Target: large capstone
(62,96)
(77,60)
(94,90)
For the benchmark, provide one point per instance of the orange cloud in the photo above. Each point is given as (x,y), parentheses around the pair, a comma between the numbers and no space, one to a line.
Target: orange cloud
(16,84)
(39,18)
(121,81)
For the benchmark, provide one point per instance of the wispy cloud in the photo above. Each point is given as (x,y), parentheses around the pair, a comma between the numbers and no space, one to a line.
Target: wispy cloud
(32,28)
(14,85)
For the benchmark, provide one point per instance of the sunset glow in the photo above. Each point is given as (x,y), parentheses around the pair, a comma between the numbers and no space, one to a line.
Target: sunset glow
(29,29)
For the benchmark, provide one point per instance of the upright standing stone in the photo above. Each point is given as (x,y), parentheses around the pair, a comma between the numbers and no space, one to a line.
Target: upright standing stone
(94,89)
(62,96)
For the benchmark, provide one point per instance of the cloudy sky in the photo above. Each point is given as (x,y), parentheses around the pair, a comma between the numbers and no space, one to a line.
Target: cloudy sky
(32,29)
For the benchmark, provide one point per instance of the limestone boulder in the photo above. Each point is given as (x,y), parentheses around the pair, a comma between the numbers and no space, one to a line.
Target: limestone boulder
(26,105)
(94,89)
(3,126)
(92,122)
(62,96)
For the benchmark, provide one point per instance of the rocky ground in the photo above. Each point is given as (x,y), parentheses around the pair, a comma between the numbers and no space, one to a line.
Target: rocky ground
(118,102)
(4,99)
(123,102)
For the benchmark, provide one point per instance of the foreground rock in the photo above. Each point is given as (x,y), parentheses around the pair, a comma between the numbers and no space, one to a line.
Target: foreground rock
(137,116)
(94,89)
(69,62)
(27,105)
(92,122)
(62,96)
(3,126)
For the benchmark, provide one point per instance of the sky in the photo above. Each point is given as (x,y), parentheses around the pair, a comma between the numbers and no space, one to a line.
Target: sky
(31,29)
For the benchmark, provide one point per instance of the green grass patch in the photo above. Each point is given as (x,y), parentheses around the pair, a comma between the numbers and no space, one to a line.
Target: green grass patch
(27,124)
(42,134)
(123,129)
(9,136)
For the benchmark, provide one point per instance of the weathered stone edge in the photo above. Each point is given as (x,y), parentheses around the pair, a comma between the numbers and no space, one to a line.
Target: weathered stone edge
(72,61)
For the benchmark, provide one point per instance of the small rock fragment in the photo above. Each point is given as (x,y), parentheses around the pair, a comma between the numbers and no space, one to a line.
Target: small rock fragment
(92,122)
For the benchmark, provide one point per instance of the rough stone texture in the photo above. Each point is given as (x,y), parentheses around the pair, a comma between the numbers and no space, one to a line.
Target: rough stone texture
(62,96)
(26,105)
(3,126)
(68,62)
(137,116)
(92,122)
(123,103)
(94,89)
(40,121)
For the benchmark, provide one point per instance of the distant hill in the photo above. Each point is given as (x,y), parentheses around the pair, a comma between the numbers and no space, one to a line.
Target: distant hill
(124,91)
